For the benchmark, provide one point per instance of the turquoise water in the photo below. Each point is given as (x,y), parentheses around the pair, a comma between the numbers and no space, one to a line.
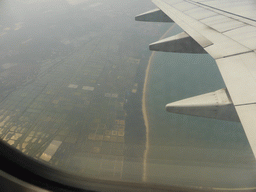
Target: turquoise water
(186,150)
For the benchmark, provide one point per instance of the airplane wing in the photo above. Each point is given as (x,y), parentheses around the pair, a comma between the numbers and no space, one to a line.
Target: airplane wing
(226,30)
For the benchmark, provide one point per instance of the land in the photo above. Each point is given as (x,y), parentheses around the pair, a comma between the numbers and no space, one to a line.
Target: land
(73,99)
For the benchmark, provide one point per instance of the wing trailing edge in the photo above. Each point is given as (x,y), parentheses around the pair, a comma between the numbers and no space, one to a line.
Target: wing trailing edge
(218,104)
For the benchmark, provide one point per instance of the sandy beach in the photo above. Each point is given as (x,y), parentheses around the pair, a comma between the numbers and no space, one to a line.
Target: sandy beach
(144,107)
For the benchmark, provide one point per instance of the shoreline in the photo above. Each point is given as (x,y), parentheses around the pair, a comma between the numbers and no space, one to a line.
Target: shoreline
(144,107)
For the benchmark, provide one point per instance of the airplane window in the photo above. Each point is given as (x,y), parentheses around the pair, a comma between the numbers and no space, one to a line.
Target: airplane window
(81,92)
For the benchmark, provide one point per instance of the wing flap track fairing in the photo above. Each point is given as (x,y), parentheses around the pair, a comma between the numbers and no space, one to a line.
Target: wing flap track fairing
(155,15)
(180,43)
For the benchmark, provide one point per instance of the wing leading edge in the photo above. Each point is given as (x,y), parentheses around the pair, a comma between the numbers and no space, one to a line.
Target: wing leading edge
(228,34)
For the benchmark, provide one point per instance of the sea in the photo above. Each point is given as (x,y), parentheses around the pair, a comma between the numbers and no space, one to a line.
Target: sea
(186,150)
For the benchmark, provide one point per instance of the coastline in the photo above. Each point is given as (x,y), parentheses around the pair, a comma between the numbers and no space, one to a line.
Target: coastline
(144,107)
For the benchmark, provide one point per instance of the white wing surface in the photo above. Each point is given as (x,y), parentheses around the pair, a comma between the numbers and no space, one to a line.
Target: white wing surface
(226,29)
